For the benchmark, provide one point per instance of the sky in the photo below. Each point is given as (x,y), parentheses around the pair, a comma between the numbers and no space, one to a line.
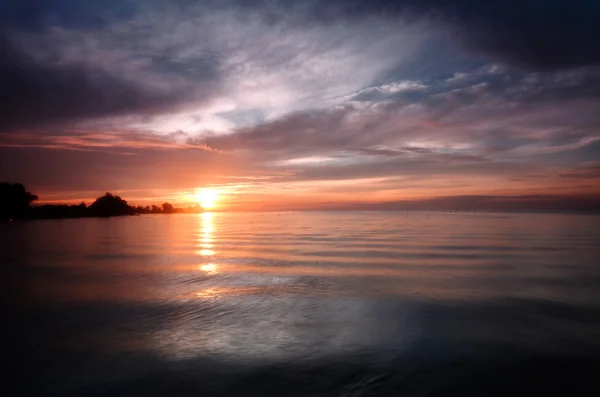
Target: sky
(304,104)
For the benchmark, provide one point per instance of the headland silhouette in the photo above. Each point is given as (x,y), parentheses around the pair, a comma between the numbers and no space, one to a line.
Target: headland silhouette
(16,203)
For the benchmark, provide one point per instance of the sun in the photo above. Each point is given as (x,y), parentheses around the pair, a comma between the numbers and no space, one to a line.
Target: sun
(207,198)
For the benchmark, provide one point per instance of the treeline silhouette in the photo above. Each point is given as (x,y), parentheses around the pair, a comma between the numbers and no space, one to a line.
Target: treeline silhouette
(16,204)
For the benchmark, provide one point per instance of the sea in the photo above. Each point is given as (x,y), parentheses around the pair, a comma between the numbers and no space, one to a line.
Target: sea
(302,304)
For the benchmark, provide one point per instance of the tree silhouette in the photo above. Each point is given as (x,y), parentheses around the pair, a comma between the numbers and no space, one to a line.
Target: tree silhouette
(167,208)
(110,205)
(14,201)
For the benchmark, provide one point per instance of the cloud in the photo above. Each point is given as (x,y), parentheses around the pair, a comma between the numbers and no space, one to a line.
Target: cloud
(208,66)
(535,34)
(590,170)
(124,141)
(191,66)
(37,92)
(391,94)
(485,116)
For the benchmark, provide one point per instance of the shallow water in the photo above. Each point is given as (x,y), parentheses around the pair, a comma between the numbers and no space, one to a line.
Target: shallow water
(337,304)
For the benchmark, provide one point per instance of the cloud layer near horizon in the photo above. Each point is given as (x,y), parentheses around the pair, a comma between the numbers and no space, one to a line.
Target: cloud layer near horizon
(301,101)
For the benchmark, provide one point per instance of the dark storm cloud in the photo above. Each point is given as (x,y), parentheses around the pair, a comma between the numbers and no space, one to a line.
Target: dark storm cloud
(34,92)
(55,68)
(33,15)
(537,34)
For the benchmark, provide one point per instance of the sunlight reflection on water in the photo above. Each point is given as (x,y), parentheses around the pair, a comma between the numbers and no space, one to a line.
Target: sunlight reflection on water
(205,238)
(209,268)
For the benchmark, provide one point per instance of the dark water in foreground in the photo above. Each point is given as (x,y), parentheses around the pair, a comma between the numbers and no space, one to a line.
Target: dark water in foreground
(302,304)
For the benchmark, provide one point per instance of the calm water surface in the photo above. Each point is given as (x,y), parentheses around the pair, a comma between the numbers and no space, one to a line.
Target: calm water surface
(332,304)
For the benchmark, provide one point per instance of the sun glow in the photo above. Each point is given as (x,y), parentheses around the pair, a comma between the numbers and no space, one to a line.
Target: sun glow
(207,198)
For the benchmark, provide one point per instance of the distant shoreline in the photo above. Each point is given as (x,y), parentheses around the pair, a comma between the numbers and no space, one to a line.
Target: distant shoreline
(16,204)
(419,214)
